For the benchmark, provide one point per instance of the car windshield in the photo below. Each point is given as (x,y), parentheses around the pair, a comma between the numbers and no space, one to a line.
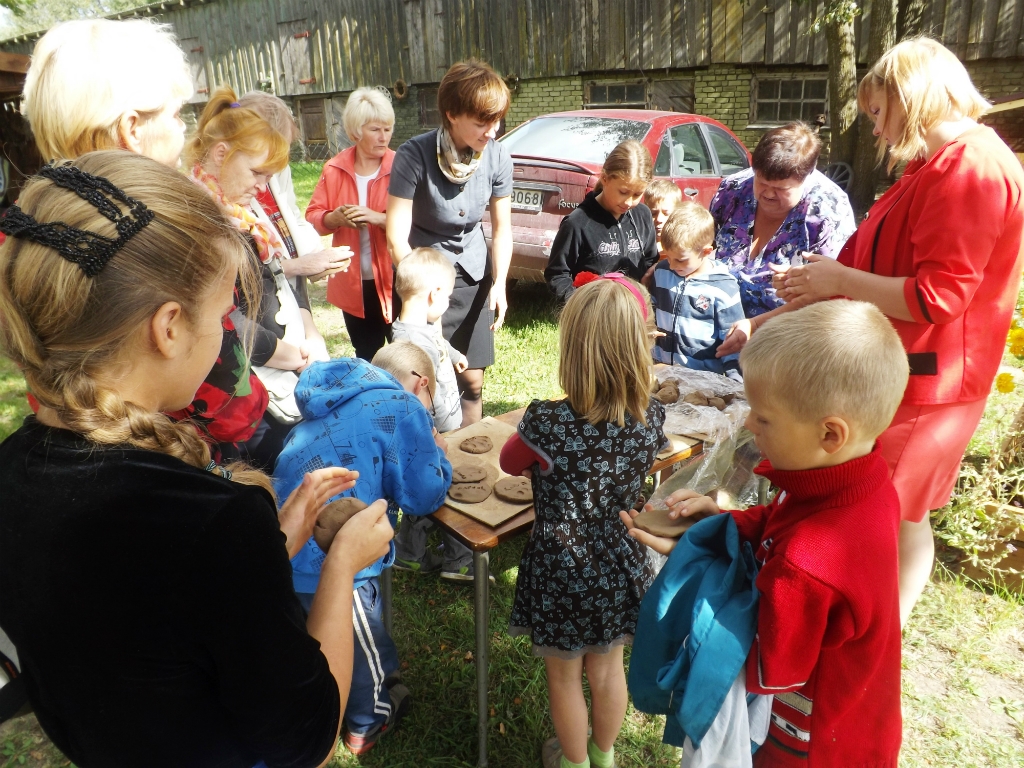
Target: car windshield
(583,139)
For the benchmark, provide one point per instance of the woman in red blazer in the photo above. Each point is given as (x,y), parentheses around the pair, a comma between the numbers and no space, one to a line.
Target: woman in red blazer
(941,254)
(349,202)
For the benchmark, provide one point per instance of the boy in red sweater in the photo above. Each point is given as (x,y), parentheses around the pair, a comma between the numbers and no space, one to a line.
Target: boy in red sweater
(823,383)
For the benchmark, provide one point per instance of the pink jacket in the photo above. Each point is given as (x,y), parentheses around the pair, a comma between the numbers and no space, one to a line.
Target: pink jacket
(337,186)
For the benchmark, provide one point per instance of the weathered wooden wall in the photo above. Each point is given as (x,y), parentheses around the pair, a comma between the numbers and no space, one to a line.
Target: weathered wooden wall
(327,46)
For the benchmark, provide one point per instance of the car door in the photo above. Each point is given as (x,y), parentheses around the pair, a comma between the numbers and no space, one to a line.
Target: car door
(730,154)
(684,158)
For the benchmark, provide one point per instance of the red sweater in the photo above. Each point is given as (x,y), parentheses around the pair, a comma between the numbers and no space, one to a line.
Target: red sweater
(953,225)
(337,186)
(828,629)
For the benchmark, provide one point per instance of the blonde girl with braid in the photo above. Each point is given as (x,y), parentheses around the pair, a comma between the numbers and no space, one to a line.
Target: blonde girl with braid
(149,592)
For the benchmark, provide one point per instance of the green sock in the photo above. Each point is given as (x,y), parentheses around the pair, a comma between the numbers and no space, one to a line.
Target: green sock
(600,759)
(566,763)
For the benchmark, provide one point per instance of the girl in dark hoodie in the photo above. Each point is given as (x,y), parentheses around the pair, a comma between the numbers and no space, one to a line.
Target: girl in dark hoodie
(611,230)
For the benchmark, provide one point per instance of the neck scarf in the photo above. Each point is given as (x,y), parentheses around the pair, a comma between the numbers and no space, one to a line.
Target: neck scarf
(268,242)
(456,171)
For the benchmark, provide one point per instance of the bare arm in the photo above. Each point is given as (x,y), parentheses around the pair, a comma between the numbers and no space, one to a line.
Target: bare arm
(399,225)
(501,255)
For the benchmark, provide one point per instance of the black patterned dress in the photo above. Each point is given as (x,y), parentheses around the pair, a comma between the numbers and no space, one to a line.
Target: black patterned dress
(582,577)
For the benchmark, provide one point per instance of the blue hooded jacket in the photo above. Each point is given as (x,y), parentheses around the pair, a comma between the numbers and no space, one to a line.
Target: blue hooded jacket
(359,417)
(696,625)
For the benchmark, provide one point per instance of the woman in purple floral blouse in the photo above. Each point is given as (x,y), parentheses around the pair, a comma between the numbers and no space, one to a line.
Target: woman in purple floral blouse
(771,213)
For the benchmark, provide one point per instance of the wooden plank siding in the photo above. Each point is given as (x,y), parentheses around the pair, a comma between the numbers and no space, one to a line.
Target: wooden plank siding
(376,42)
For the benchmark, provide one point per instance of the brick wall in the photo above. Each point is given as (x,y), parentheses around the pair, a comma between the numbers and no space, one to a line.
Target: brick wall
(543,95)
(1002,77)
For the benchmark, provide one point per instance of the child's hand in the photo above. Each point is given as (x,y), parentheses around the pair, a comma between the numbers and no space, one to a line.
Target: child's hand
(687,503)
(440,442)
(462,365)
(298,514)
(738,335)
(362,540)
(660,545)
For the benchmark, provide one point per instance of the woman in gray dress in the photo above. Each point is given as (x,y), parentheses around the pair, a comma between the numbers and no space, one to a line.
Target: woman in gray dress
(441,184)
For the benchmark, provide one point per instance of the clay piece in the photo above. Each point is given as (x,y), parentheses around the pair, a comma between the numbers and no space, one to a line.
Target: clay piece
(717,402)
(658,523)
(695,398)
(668,393)
(515,490)
(478,444)
(333,516)
(470,493)
(468,473)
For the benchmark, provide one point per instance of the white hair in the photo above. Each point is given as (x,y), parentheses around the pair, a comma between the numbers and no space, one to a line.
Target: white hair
(366,105)
(86,75)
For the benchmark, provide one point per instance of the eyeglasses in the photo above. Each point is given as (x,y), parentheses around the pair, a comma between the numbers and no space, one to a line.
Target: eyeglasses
(421,376)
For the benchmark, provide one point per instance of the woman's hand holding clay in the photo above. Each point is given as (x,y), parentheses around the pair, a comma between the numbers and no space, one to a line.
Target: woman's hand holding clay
(819,278)
(298,514)
(362,540)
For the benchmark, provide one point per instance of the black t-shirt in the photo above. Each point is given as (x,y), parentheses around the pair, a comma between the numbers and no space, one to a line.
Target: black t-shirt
(153,611)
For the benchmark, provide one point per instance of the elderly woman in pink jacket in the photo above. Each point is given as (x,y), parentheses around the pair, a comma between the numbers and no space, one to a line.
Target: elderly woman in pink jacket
(349,202)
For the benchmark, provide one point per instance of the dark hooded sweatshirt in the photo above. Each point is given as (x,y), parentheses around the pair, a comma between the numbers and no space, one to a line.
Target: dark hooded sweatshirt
(590,239)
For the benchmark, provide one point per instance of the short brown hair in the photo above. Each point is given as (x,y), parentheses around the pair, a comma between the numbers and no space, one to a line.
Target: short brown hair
(833,358)
(471,87)
(787,151)
(689,228)
(415,272)
(660,191)
(401,358)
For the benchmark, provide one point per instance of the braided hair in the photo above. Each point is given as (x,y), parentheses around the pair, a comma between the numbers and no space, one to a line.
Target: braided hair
(71,333)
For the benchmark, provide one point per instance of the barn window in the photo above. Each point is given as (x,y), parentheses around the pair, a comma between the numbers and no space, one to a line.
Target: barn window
(622,95)
(430,117)
(782,100)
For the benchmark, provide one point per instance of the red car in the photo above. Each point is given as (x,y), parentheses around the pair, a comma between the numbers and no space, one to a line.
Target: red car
(558,159)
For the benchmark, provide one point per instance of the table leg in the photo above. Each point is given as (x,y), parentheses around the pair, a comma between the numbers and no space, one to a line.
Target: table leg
(385,595)
(481,584)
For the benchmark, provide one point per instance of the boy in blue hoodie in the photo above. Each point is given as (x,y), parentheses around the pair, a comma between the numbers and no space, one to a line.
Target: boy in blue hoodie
(696,301)
(374,420)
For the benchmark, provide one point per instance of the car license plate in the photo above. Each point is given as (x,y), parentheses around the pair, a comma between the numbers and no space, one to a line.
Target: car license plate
(527,199)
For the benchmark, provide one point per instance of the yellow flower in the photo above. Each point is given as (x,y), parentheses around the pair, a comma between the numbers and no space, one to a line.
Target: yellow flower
(1005,383)
(1017,348)
(1017,334)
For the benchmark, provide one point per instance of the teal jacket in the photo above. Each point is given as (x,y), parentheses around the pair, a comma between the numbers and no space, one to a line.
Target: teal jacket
(696,625)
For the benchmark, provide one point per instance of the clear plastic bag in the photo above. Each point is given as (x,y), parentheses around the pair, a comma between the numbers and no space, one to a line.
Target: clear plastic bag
(705,422)
(725,467)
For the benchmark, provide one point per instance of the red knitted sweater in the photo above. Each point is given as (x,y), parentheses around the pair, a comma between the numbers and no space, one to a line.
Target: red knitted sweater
(828,641)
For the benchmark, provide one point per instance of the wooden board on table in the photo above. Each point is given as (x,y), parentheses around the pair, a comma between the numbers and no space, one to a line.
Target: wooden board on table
(491,511)
(677,444)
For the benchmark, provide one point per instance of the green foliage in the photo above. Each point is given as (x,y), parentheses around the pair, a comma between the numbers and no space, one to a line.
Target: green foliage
(36,15)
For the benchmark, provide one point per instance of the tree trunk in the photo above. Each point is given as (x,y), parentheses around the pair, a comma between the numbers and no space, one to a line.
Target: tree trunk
(842,86)
(910,19)
(865,169)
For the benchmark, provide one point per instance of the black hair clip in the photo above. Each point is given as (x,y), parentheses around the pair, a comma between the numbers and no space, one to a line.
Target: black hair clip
(89,250)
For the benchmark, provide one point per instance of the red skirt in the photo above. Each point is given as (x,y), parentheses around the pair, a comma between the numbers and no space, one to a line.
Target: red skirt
(923,447)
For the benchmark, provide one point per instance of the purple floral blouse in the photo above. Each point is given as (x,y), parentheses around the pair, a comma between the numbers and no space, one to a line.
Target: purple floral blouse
(820,223)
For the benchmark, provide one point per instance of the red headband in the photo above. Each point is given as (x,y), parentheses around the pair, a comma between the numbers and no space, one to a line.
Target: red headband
(616,277)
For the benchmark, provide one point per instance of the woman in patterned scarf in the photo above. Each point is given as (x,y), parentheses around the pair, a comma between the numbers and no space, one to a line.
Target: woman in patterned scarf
(233,154)
(441,183)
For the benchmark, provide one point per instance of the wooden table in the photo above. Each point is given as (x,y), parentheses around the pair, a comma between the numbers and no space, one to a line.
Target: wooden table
(481,539)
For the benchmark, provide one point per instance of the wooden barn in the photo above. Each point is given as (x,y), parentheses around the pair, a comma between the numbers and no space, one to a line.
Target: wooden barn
(747,64)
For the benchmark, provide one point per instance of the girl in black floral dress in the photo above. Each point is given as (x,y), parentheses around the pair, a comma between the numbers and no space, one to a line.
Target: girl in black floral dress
(581,577)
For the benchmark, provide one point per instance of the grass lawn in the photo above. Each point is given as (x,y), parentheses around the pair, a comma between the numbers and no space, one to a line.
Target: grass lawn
(963,684)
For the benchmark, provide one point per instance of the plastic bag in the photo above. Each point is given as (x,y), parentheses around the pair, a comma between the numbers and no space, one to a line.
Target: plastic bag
(705,422)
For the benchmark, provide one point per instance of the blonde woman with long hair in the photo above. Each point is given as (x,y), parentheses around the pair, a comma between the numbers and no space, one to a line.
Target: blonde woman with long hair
(941,254)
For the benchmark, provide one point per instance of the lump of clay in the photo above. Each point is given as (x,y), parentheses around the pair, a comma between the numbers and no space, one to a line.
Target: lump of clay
(668,393)
(515,490)
(658,523)
(333,516)
(717,402)
(470,493)
(695,398)
(468,473)
(478,444)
